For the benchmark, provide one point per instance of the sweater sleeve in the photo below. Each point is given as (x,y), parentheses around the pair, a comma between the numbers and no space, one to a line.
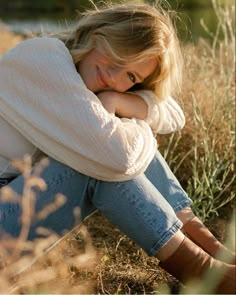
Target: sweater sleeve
(44,98)
(163,117)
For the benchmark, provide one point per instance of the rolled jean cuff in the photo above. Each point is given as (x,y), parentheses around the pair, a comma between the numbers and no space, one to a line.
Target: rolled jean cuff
(182,204)
(168,235)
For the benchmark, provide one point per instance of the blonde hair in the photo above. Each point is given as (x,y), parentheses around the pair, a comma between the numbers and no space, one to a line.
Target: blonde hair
(130,33)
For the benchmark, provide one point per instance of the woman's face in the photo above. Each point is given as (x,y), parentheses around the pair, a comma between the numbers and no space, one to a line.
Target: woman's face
(100,73)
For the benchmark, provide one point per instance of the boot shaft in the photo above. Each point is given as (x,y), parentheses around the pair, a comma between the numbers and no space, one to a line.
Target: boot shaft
(190,262)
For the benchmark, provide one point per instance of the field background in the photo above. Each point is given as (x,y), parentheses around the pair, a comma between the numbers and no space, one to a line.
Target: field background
(98,258)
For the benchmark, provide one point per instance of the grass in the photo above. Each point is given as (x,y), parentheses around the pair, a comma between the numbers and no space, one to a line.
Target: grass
(98,258)
(203,154)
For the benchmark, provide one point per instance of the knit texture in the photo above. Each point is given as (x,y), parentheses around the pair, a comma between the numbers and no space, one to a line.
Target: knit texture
(163,117)
(44,98)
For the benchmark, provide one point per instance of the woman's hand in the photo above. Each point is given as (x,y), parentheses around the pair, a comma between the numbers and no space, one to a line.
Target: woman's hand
(124,105)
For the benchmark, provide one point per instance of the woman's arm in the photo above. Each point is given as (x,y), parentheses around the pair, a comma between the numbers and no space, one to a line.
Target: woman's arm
(163,117)
(124,105)
(45,99)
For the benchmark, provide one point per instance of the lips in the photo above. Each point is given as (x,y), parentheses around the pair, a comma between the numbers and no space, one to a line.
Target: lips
(100,78)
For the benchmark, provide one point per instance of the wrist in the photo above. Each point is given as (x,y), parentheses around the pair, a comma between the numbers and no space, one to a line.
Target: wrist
(108,100)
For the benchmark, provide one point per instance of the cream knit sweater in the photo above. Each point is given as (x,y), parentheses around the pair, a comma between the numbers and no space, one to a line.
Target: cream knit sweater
(44,98)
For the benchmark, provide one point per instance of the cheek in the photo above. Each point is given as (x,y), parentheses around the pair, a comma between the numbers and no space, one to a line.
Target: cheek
(121,86)
(120,83)
(124,84)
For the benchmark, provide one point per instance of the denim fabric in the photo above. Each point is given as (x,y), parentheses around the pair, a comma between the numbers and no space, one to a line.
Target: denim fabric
(5,181)
(143,208)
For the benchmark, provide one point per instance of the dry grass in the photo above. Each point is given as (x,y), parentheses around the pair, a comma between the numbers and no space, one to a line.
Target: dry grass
(98,258)
(203,155)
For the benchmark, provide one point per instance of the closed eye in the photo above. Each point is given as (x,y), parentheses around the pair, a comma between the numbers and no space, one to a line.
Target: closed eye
(132,77)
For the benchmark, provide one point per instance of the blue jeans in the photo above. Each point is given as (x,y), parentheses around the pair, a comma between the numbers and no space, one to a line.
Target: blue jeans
(143,208)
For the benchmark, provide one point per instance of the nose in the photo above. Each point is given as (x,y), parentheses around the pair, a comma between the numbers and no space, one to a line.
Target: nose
(115,73)
(116,78)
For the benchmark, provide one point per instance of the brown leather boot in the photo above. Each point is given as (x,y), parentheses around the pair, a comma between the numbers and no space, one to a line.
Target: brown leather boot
(190,262)
(201,236)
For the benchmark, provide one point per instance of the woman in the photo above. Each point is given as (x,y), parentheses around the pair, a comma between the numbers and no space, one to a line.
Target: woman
(93,100)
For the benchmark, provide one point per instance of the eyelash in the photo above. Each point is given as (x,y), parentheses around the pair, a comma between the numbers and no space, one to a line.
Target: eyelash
(131,77)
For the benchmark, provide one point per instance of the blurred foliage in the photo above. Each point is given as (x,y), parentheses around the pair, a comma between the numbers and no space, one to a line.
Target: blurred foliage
(191,13)
(68,6)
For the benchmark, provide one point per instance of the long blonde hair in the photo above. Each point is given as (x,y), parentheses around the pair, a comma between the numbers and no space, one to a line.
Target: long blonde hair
(130,33)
